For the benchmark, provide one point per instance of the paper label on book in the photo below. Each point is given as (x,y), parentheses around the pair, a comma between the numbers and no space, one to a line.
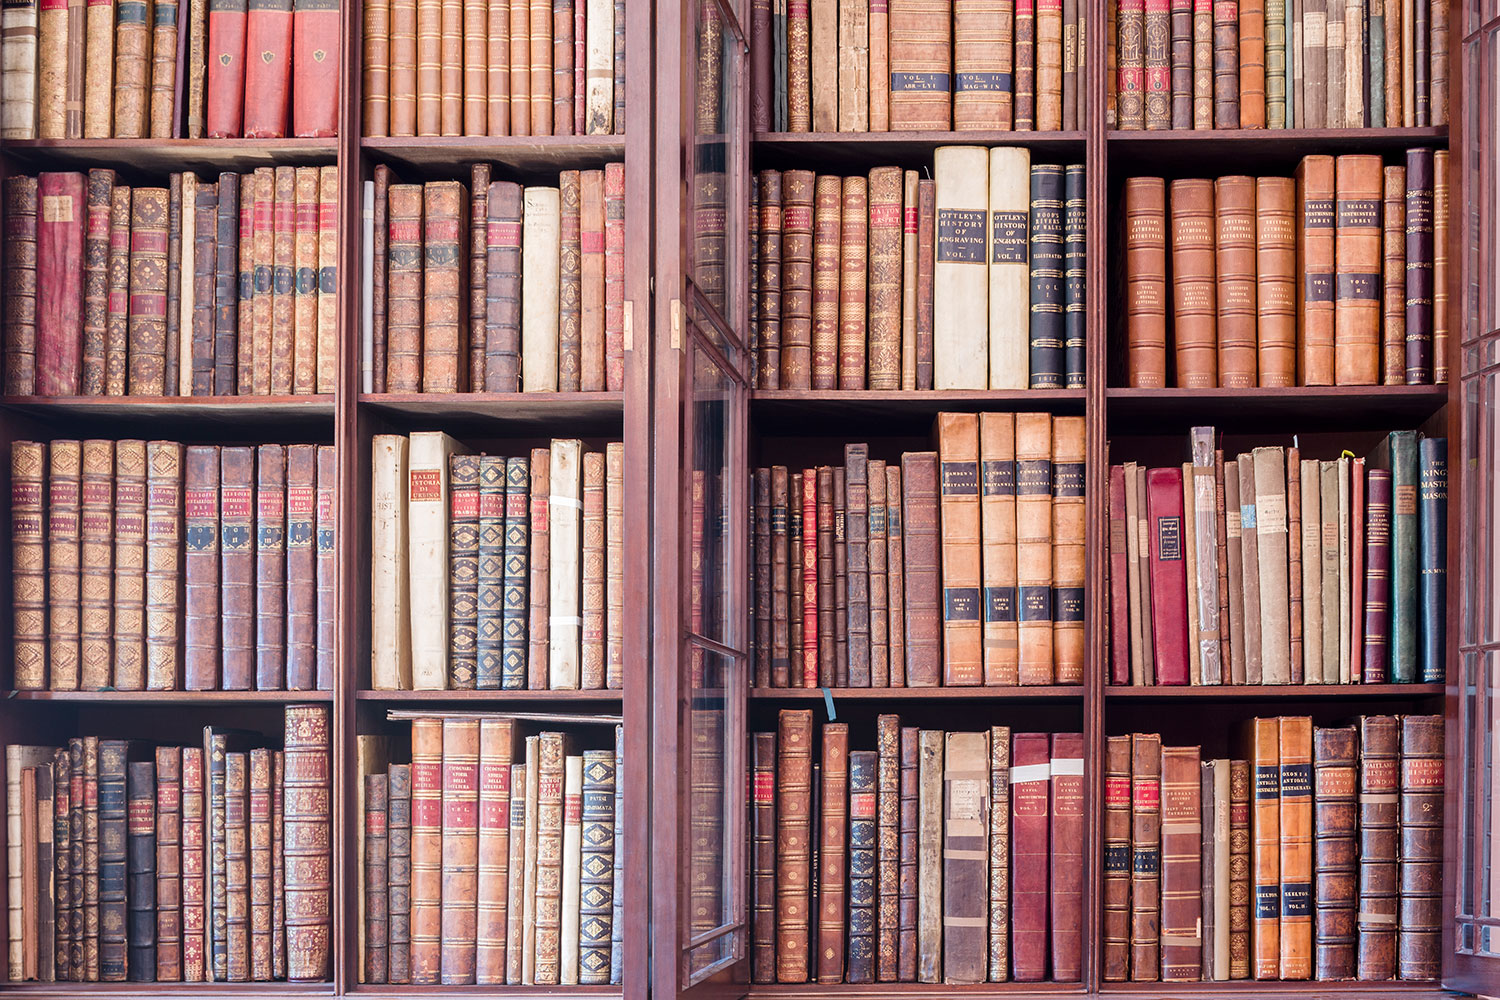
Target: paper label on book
(931,83)
(990,83)
(960,236)
(1067,766)
(1405,497)
(1270,515)
(426,485)
(1008,237)
(57,208)
(965,798)
(1247,517)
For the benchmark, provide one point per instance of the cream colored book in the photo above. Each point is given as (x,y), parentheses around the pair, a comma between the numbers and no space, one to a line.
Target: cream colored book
(565,509)
(960,271)
(1354,64)
(17,759)
(515,885)
(1329,501)
(184,385)
(572,865)
(99,56)
(1346,589)
(528,868)
(909,280)
(390,625)
(599,71)
(823,42)
(1006,243)
(1271,550)
(929,855)
(1218,945)
(427,556)
(854,64)
(1190,545)
(1205,566)
(1133,575)
(18,30)
(540,262)
(1312,574)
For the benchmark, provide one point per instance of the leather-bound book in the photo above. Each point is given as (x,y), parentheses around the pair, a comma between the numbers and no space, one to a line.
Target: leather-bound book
(1271,546)
(1068,566)
(1145,278)
(514,646)
(825,575)
(1180,96)
(863,851)
(570,286)
(591,241)
(236,867)
(1262,742)
(1131,59)
(1357,283)
(1276,279)
(1181,860)
(805,564)
(307,838)
(857,534)
(459,850)
(853,283)
(801,40)
(1419,266)
(315,62)
(1158,63)
(58,949)
(1117,865)
(193,865)
(1046,326)
(997,461)
(1193,283)
(895,577)
(983,81)
(1050,96)
(262,890)
(1374,667)
(965,893)
(129,565)
(880,66)
(404,289)
(245,359)
(833,848)
(117,324)
(1294,534)
(1335,752)
(1010,209)
(478,284)
(1074,276)
(1337,52)
(270,547)
(880,660)
(113,859)
(591,565)
(1066,861)
(923,333)
(763,586)
(63,565)
(1432,561)
(1441,313)
(305,357)
(596,866)
(444,297)
(794,844)
(262,295)
(1137,577)
(375,873)
(763,862)
(1253,58)
(909,784)
(853,67)
(840,601)
(20,276)
(1239,892)
(1379,850)
(614,277)
(1034,546)
(167,916)
(302,620)
(202,569)
(96,248)
(826,266)
(887,844)
(1203,64)
(520,945)
(1145,863)
(539,588)
(1296,867)
(224,94)
(1393,278)
(958,443)
(140,864)
(768,280)
(1226,30)
(1235,262)
(376,64)
(59,248)
(132,71)
(1312,569)
(960,344)
(28,507)
(1418,937)
(496,751)
(96,564)
(1329,476)
(1168,575)
(1315,263)
(490,589)
(884,285)
(1213,844)
(924,598)
(929,855)
(91,862)
(223,352)
(398,868)
(463,571)
(502,335)
(268,69)
(237,567)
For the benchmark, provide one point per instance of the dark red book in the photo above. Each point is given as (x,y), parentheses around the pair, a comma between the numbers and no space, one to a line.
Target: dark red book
(1168,574)
(201,531)
(237,566)
(1067,857)
(301,567)
(268,67)
(270,568)
(1030,812)
(59,282)
(315,68)
(224,96)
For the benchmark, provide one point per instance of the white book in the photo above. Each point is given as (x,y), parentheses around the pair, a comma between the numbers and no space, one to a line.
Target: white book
(185,313)
(541,220)
(18,31)
(572,866)
(390,624)
(528,867)
(564,511)
(1354,63)
(960,273)
(367,289)
(1272,553)
(17,759)
(427,556)
(1312,573)
(599,67)
(1007,244)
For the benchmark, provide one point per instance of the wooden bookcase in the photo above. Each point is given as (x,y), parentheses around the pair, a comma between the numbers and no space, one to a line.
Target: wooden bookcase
(686,406)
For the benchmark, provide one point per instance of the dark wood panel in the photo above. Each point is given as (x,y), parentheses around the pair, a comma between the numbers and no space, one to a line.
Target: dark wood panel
(1055,692)
(834,151)
(528,156)
(1188,153)
(396,699)
(866,411)
(171,697)
(1272,692)
(549,414)
(1300,408)
(170,154)
(200,417)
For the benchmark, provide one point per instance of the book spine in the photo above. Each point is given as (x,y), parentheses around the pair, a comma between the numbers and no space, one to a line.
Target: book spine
(1194,262)
(20,287)
(113,860)
(117,323)
(1181,80)
(906,905)
(997,456)
(459,850)
(1406,530)
(59,246)
(376,959)
(596,891)
(763,862)
(1117,859)
(1419,271)
(301,619)
(1065,938)
(128,567)
(1145,262)
(793,846)
(1335,752)
(1379,847)
(1075,262)
(1315,256)
(399,871)
(1374,668)
(965,868)
(29,564)
(1432,560)
(236,882)
(1046,246)
(827,243)
(1393,278)
(1182,903)
(1068,564)
(863,852)
(502,335)
(463,572)
(958,438)
(261,849)
(1235,261)
(96,277)
(1145,861)
(836,839)
(1357,284)
(888,847)
(1418,937)
(961,268)
(1296,861)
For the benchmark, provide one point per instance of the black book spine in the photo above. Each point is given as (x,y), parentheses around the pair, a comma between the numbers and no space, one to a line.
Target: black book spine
(1046,276)
(1075,263)
(227,286)
(112,835)
(140,859)
(1432,558)
(863,770)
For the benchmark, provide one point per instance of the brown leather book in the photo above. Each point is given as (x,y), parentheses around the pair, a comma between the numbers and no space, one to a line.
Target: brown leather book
(1049,65)
(1296,867)
(301,566)
(982,61)
(887,845)
(426,850)
(926,235)
(307,836)
(1068,563)
(827,255)
(1146,282)
(805,565)
(460,850)
(497,750)
(895,575)
(551,757)
(305,280)
(761,547)
(965,879)
(1335,752)
(958,445)
(96,564)
(1117,862)
(117,326)
(1193,283)
(1145,849)
(1235,259)
(444,322)
(1252,64)
(1359,187)
(1066,861)
(1441,321)
(774,541)
(261,890)
(570,284)
(885,233)
(21,285)
(1034,545)
(929,855)
(997,460)
(245,287)
(796,276)
(96,245)
(853,276)
(826,575)
(924,596)
(833,852)
(1419,934)
(1315,265)
(1379,847)
(1393,278)
(502,337)
(880,641)
(284,281)
(237,568)
(1181,860)
(263,261)
(906,938)
(1261,739)
(768,281)
(1226,31)
(925,38)
(375,875)
(592,570)
(28,506)
(478,277)
(1240,895)
(1275,281)
(763,860)
(1296,645)
(404,289)
(863,865)
(857,536)
(793,843)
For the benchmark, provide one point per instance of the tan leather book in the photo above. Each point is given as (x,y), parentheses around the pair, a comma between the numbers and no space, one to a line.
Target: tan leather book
(1296,864)
(1234,257)
(478,273)
(884,289)
(459,849)
(146,375)
(429,67)
(1203,65)
(99,61)
(96,564)
(1252,60)
(982,57)
(117,326)
(1009,267)
(552,753)
(930,856)
(827,272)
(1311,542)
(880,66)
(1034,536)
(426,849)
(262,259)
(958,455)
(326,278)
(428,556)
(960,344)
(854,65)
(812,68)
(919,521)
(1271,549)
(1346,466)
(28,507)
(1276,281)
(1146,282)
(1357,282)
(1261,740)
(833,853)
(1068,563)
(390,621)
(909,253)
(515,888)
(570,284)
(1249,566)
(887,844)
(965,882)
(129,667)
(1393,278)
(1116,901)
(403,114)
(1145,849)
(793,844)
(923,50)
(163,571)
(305,282)
(541,67)
(1193,286)
(1241,900)
(895,572)
(853,284)
(132,70)
(1315,265)
(1182,901)
(997,512)
(376,83)
(445,356)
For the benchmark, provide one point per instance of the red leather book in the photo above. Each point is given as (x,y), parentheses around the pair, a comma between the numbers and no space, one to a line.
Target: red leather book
(194,859)
(270,568)
(460,849)
(201,530)
(793,844)
(237,567)
(225,100)
(1145,857)
(1030,815)
(307,835)
(1119,603)
(59,282)
(168,864)
(615,323)
(315,68)
(301,567)
(1067,857)
(1168,575)
(763,860)
(808,565)
(833,853)
(268,67)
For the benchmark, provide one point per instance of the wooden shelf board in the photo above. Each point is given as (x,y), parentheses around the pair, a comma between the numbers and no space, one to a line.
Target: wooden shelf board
(509,992)
(261,991)
(398,698)
(1256,988)
(1271,692)
(538,411)
(173,154)
(259,412)
(1333,407)
(878,991)
(1054,692)
(526,154)
(905,149)
(172,697)
(853,410)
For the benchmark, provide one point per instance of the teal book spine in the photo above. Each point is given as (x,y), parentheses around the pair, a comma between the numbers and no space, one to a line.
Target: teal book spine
(1405,614)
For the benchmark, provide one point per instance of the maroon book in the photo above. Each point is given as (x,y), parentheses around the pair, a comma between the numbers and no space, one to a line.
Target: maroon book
(270,568)
(59,283)
(1377,609)
(315,68)
(268,73)
(301,570)
(1030,810)
(201,530)
(1067,857)
(1168,574)
(237,567)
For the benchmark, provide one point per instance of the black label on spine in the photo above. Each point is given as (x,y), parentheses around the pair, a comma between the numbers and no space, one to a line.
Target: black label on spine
(1008,237)
(960,604)
(1359,287)
(1000,604)
(1034,477)
(1067,479)
(1036,604)
(933,83)
(999,479)
(960,236)
(995,83)
(1067,603)
(960,479)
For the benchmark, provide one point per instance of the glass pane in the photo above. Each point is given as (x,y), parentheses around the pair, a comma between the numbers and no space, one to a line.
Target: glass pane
(715,119)
(711,532)
(713,794)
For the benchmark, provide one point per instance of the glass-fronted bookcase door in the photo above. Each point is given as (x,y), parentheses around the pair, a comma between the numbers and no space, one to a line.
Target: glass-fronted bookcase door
(700,491)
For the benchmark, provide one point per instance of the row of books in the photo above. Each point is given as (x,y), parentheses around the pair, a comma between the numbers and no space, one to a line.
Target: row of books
(1338,276)
(135,861)
(974,279)
(1273,569)
(491,859)
(496,573)
(960,566)
(196,289)
(512,67)
(1317,855)
(938,857)
(1277,64)
(153,566)
(165,69)
(916,65)
(494,287)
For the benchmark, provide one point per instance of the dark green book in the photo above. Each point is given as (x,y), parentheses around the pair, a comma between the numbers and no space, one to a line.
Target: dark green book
(1398,453)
